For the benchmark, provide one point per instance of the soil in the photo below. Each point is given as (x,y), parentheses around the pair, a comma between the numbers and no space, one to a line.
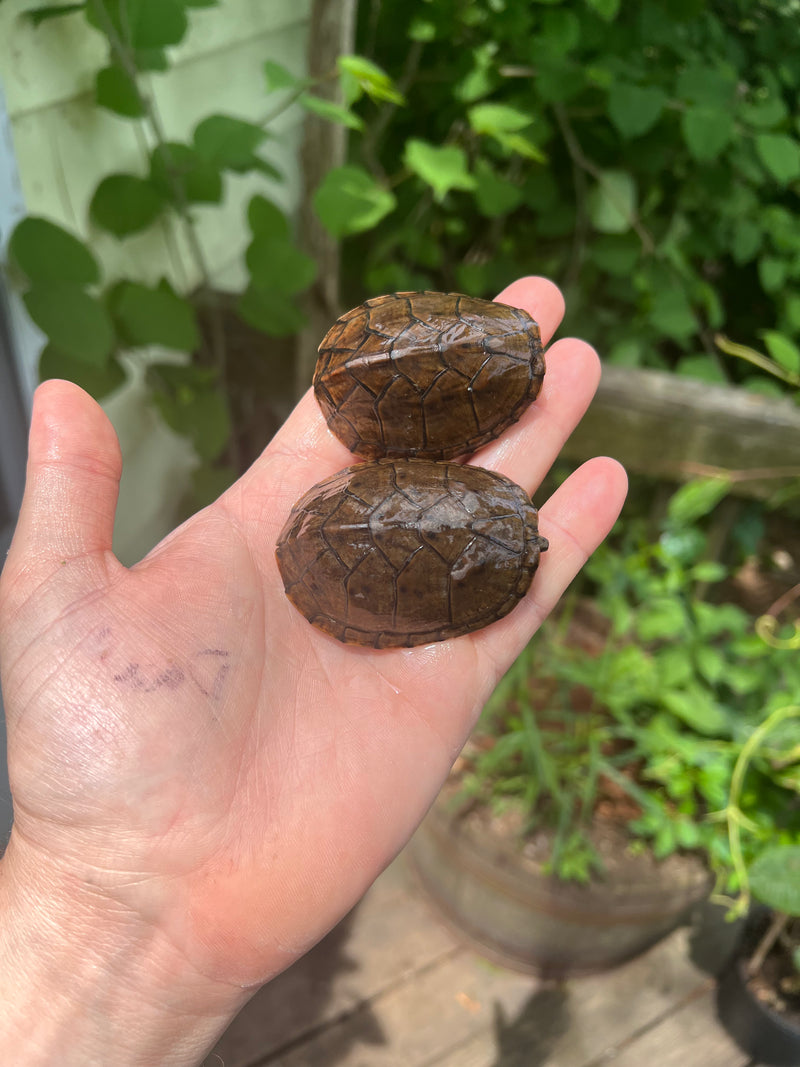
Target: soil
(608,836)
(777,984)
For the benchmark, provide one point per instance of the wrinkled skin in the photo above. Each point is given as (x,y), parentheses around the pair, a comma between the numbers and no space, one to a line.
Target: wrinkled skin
(188,756)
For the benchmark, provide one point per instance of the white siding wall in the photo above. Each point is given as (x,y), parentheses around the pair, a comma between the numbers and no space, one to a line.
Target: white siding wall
(64,145)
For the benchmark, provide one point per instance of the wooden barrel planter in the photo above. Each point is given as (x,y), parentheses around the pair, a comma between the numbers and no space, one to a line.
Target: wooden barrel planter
(526,919)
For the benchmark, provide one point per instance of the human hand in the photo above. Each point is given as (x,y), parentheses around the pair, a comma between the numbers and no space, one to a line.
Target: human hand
(195,768)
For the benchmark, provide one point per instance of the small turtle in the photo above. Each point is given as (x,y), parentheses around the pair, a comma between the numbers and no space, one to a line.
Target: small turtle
(427,375)
(407,552)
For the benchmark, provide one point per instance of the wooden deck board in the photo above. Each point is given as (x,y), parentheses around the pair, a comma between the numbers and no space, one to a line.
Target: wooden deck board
(393,987)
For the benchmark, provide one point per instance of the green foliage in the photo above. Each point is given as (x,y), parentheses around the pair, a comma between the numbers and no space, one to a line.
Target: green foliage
(124,204)
(662,708)
(90,326)
(157,316)
(775,878)
(46,253)
(350,200)
(116,90)
(76,322)
(646,156)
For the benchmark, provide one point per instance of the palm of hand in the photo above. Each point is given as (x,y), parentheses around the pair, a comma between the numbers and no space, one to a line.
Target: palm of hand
(181,739)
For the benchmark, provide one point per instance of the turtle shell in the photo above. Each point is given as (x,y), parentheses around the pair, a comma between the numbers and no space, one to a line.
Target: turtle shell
(427,375)
(406,552)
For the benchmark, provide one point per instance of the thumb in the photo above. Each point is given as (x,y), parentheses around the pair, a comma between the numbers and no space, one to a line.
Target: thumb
(74,467)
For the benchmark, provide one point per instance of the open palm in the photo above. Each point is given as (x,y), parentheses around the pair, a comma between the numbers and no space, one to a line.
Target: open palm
(183,744)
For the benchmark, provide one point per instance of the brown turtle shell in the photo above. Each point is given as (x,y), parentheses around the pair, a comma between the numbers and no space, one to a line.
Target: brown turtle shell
(406,552)
(427,375)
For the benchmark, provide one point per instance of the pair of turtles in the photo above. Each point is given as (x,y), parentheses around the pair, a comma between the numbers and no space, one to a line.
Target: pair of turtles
(408,547)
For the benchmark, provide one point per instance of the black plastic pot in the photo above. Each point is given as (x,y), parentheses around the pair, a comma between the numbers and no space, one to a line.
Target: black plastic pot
(757,1029)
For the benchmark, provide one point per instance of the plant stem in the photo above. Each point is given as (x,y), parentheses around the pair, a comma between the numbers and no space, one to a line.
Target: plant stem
(581,160)
(733,348)
(779,923)
(733,812)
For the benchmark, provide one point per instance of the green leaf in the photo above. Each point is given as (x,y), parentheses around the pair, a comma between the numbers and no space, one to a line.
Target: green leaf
(696,499)
(142,24)
(44,252)
(705,368)
(497,118)
(715,619)
(150,59)
(442,168)
(327,109)
(772,271)
(266,219)
(606,9)
(747,239)
(421,29)
(709,571)
(198,181)
(661,620)
(98,381)
(775,878)
(124,204)
(674,667)
(279,77)
(561,31)
(697,708)
(612,202)
(706,132)
(276,265)
(38,15)
(709,85)
(616,255)
(228,142)
(192,404)
(75,322)
(494,195)
(349,200)
(635,109)
(117,92)
(372,79)
(671,312)
(504,123)
(154,317)
(273,313)
(780,154)
(765,113)
(711,663)
(783,350)
(521,145)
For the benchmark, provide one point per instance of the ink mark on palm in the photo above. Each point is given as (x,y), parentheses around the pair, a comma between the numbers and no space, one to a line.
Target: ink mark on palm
(147,681)
(209,671)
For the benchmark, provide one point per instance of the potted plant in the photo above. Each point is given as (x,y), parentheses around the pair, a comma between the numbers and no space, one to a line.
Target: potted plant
(582,820)
(758,996)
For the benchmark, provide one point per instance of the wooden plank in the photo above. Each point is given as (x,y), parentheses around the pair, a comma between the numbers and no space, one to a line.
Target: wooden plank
(689,1037)
(462,1012)
(661,424)
(418,1021)
(387,939)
